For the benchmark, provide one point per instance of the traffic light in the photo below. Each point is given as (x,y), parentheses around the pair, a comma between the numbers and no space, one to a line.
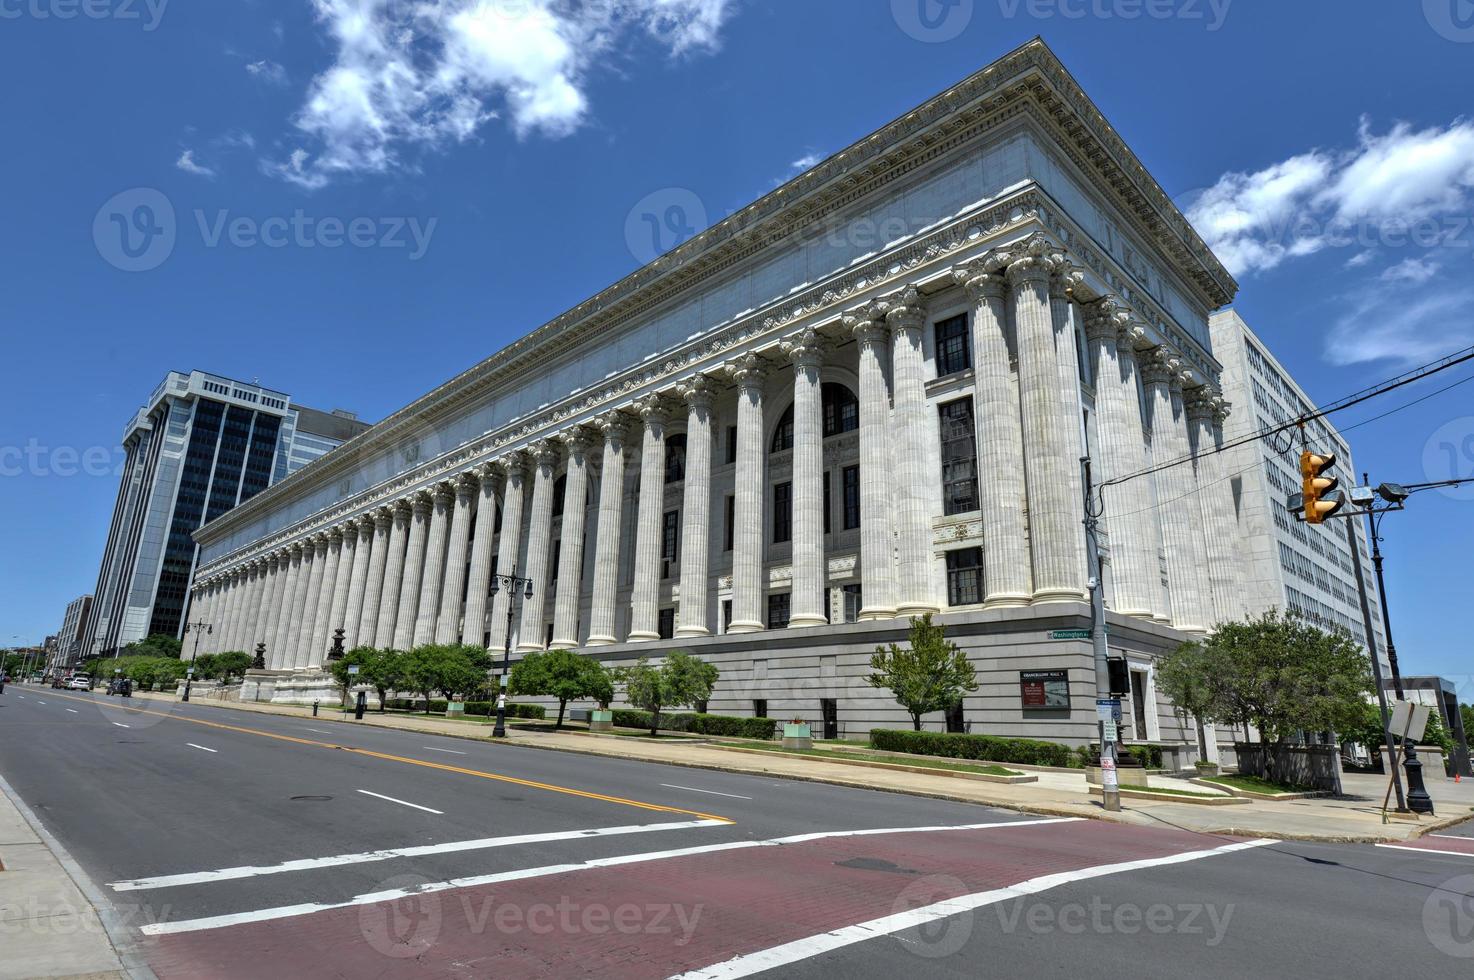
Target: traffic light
(1320,500)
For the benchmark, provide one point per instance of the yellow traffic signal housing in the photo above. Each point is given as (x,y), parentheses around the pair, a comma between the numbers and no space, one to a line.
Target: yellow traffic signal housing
(1318,502)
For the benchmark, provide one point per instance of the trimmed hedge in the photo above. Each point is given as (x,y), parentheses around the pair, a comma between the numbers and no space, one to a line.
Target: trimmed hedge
(699,724)
(438,706)
(1149,756)
(984,748)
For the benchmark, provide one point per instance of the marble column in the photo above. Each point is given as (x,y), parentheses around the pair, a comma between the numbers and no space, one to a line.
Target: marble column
(1135,573)
(1216,521)
(307,640)
(240,586)
(246,639)
(478,585)
(607,533)
(222,626)
(448,625)
(381,522)
(414,569)
(432,574)
(342,575)
(1007,577)
(914,480)
(877,527)
(403,515)
(1063,314)
(748,577)
(362,530)
(696,511)
(509,549)
(1174,488)
(282,649)
(539,545)
(322,624)
(279,562)
(645,600)
(1054,519)
(807,601)
(570,553)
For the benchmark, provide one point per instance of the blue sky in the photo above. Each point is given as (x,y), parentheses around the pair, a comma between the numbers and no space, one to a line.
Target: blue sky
(494,181)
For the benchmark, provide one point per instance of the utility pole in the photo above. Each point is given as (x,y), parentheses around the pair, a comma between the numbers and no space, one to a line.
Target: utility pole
(1109,782)
(1366,619)
(1373,531)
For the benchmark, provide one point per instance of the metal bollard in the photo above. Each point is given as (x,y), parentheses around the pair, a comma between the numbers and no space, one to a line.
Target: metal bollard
(360,706)
(314,708)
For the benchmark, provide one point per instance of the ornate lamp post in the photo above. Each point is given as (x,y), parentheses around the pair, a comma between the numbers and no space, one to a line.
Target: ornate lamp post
(195,628)
(514,586)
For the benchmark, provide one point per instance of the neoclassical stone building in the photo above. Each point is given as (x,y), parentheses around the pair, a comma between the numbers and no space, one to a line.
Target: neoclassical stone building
(862,398)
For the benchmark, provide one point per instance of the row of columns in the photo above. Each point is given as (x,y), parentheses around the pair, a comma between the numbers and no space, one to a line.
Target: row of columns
(396,577)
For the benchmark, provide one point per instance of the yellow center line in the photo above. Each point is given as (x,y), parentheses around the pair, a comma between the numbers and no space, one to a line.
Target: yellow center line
(533,784)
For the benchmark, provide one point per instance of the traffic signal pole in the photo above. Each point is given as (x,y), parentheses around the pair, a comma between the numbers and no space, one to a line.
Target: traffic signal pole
(1109,781)
(1366,619)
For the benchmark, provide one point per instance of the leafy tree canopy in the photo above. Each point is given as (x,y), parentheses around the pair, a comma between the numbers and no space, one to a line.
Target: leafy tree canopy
(564,675)
(680,681)
(932,675)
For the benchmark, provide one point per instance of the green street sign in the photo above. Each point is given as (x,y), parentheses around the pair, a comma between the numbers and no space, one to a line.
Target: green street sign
(1069,634)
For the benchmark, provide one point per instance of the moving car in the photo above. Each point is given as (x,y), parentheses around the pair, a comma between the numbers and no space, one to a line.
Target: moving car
(80,682)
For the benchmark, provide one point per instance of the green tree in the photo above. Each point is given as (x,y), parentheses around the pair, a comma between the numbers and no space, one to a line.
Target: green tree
(447,670)
(1467,710)
(204,666)
(360,657)
(385,671)
(232,663)
(1185,676)
(932,675)
(154,645)
(564,675)
(680,681)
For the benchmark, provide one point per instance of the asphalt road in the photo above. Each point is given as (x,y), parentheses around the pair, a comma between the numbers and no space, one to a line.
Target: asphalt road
(424,855)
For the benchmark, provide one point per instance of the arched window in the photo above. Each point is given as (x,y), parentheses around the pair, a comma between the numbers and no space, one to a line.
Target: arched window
(840,413)
(675,458)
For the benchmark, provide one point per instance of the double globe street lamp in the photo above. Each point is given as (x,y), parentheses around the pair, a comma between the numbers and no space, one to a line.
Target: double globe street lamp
(516,587)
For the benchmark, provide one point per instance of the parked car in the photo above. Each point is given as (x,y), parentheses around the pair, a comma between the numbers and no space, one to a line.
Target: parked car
(79,682)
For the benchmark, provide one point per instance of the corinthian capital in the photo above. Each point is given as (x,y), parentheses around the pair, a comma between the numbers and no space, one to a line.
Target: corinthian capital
(1105,319)
(982,277)
(805,350)
(615,427)
(575,440)
(696,392)
(652,409)
(1159,366)
(545,453)
(746,371)
(1030,261)
(905,310)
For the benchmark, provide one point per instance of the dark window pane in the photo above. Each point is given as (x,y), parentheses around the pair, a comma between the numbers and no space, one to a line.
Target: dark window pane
(826,502)
(731,524)
(675,459)
(783,435)
(783,512)
(731,443)
(851,497)
(777,610)
(959,458)
(964,576)
(841,410)
(667,626)
(954,352)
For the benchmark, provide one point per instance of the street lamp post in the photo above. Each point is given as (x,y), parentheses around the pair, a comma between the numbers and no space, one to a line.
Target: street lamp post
(196,628)
(514,585)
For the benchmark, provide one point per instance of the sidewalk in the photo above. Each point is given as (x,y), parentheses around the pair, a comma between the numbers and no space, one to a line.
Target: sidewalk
(48,928)
(1354,818)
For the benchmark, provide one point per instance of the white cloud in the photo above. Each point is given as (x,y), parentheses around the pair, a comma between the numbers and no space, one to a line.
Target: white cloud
(426,73)
(805,162)
(267,71)
(1403,185)
(1360,259)
(1411,270)
(187,163)
(1406,328)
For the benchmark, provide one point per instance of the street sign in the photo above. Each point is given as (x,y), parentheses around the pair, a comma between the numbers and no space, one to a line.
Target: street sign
(1108,709)
(1110,730)
(1044,690)
(352,669)
(1069,634)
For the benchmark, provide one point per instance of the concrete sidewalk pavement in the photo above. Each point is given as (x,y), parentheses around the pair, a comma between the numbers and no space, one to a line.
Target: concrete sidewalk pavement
(1353,818)
(48,926)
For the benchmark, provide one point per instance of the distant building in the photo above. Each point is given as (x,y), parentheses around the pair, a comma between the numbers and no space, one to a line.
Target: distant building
(198,447)
(1287,564)
(69,641)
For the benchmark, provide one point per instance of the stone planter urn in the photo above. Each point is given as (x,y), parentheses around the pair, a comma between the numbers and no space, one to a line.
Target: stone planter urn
(601,720)
(797,735)
(1205,768)
(455,709)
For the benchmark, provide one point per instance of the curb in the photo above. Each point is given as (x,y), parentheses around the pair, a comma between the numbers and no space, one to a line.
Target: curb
(1175,798)
(1250,794)
(981,777)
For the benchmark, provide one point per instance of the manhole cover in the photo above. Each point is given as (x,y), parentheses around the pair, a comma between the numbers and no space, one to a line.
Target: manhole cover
(875,864)
(311,799)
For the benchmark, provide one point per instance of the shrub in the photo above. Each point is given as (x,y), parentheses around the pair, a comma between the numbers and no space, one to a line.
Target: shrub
(729,726)
(988,748)
(535,712)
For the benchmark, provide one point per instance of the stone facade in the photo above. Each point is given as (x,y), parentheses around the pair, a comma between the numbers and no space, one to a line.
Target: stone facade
(774,445)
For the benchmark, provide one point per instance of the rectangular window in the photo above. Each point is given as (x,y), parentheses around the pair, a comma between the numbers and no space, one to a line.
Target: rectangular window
(726,614)
(826,502)
(553,564)
(729,529)
(853,602)
(548,638)
(670,541)
(667,626)
(731,443)
(760,707)
(964,576)
(778,606)
(851,480)
(782,513)
(959,458)
(954,352)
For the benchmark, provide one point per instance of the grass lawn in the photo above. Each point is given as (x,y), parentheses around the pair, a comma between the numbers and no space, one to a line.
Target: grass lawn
(1251,783)
(924,762)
